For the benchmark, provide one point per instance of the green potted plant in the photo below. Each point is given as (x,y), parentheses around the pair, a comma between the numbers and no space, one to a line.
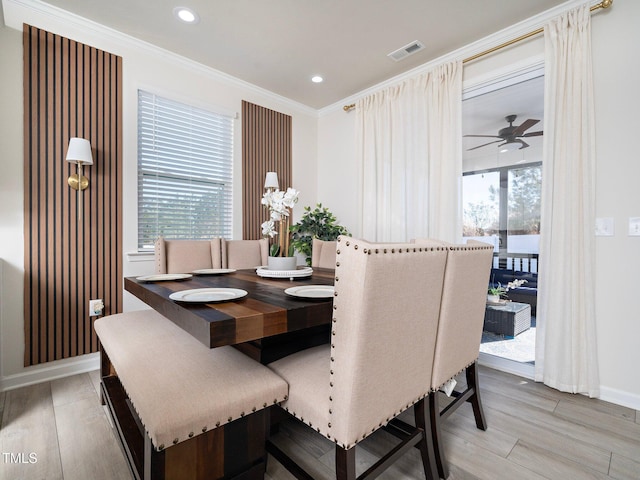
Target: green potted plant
(319,223)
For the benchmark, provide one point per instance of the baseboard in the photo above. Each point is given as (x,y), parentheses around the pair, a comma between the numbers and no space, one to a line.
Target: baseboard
(607,394)
(51,371)
(525,370)
(619,397)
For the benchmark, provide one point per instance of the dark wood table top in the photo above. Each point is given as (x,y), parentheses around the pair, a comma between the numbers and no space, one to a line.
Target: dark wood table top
(264,312)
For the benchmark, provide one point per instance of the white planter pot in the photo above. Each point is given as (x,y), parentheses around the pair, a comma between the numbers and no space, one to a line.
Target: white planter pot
(282,263)
(493,298)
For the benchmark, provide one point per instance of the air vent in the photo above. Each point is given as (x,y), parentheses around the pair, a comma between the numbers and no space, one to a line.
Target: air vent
(407,50)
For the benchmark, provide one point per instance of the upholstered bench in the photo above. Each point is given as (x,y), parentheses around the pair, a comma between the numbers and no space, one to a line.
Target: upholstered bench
(183,410)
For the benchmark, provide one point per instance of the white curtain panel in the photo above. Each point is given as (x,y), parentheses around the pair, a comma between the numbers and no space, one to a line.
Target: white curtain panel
(410,158)
(566,355)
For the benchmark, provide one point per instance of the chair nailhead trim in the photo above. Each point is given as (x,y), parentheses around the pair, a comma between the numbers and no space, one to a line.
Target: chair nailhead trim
(161,447)
(204,429)
(190,434)
(175,440)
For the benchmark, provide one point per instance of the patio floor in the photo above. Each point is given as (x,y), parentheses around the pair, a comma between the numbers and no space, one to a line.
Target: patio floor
(520,349)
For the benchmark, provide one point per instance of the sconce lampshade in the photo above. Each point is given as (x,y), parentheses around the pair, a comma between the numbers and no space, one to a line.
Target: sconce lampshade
(79,151)
(271,180)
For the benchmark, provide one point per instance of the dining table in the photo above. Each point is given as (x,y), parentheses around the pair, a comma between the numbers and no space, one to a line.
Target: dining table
(267,323)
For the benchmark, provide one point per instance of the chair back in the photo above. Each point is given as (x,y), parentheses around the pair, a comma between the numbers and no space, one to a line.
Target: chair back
(241,254)
(464,299)
(385,320)
(184,256)
(323,253)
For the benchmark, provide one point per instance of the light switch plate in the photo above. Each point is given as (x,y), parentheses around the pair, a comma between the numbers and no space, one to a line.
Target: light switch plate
(604,227)
(634,226)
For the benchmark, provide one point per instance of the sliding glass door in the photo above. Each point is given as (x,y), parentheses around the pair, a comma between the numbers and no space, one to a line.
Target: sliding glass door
(501,192)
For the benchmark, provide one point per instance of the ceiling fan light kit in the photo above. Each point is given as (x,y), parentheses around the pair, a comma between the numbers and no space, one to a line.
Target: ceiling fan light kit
(511,136)
(509,147)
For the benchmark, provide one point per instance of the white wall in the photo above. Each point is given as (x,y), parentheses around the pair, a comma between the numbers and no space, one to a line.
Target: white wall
(337,171)
(143,67)
(324,170)
(617,101)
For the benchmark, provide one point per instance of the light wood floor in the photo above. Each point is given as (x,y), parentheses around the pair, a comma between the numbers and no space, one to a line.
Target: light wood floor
(534,433)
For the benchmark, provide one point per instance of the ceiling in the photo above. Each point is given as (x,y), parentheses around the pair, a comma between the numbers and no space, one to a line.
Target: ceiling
(485,115)
(280,44)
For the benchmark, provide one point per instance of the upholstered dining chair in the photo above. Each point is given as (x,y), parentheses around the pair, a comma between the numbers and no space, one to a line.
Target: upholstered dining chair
(244,253)
(457,348)
(323,253)
(378,364)
(183,256)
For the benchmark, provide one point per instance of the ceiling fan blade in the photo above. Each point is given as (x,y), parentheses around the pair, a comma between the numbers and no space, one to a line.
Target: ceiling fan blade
(480,146)
(524,144)
(527,124)
(483,136)
(533,134)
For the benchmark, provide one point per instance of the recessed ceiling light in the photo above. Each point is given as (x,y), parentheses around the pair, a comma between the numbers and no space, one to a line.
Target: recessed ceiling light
(316,79)
(186,15)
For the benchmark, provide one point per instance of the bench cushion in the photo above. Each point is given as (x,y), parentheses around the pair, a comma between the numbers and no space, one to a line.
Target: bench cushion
(179,387)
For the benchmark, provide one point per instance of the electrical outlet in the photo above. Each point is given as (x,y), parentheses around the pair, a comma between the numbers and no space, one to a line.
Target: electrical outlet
(95,307)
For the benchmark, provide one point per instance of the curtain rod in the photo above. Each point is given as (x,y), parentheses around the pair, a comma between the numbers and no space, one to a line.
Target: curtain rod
(604,4)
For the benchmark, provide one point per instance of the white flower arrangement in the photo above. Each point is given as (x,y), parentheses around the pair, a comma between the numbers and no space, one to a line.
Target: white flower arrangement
(499,290)
(279,204)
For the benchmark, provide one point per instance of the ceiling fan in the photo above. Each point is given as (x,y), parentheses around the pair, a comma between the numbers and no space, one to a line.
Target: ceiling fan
(511,136)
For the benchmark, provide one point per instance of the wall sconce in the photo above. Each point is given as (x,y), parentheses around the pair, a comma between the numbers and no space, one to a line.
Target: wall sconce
(271,180)
(79,152)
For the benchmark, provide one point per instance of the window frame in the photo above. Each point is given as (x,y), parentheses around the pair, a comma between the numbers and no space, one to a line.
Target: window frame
(182,171)
(502,256)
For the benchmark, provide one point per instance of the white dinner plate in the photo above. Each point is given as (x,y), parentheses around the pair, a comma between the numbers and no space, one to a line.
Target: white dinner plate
(208,295)
(264,271)
(163,277)
(311,291)
(213,271)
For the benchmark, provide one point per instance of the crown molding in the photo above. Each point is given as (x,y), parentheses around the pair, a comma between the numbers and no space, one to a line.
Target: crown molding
(59,21)
(490,41)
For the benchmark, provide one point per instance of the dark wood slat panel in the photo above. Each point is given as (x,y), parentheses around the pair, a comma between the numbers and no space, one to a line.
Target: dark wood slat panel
(266,147)
(70,90)
(40,269)
(58,187)
(75,67)
(28,99)
(65,203)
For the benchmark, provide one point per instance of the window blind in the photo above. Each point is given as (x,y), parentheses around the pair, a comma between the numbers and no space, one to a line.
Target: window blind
(185,158)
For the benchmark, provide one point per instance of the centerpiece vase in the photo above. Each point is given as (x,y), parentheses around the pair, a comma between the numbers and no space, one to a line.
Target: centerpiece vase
(282,261)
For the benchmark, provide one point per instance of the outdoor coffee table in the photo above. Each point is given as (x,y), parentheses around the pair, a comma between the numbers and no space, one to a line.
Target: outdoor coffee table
(509,319)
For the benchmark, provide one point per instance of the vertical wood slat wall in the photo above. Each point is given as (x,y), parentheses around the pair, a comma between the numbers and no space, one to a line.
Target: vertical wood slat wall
(266,147)
(70,90)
